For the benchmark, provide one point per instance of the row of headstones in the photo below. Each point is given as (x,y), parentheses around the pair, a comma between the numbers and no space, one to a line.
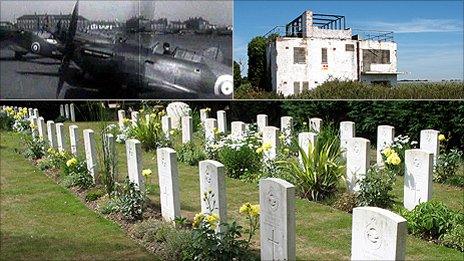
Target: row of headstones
(418,162)
(68,111)
(376,233)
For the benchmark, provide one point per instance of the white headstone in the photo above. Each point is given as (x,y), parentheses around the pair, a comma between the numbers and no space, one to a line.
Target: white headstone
(134,118)
(277,219)
(210,127)
(169,183)
(347,131)
(187,129)
(429,142)
(271,137)
(357,161)
(51,134)
(261,121)
(304,139)
(30,112)
(73,138)
(385,137)
(418,175)
(286,127)
(66,111)
(377,234)
(62,110)
(238,129)
(204,113)
(41,127)
(121,117)
(315,124)
(33,124)
(166,126)
(36,112)
(222,121)
(177,110)
(212,182)
(91,153)
(134,163)
(60,138)
(72,112)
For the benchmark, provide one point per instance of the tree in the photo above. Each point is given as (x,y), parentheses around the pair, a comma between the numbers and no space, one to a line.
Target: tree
(237,75)
(257,61)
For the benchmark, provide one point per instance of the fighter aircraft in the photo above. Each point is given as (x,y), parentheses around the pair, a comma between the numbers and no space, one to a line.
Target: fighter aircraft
(22,42)
(139,69)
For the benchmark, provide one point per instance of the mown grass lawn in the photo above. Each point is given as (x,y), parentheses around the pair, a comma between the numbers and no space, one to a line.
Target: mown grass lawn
(41,220)
(322,231)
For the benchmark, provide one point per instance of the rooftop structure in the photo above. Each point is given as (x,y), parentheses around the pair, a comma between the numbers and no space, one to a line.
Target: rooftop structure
(315,48)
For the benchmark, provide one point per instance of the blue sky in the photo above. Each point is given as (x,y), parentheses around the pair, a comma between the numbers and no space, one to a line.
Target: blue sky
(429,33)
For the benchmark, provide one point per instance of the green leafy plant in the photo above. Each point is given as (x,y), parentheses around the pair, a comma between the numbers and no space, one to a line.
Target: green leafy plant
(346,202)
(376,188)
(131,200)
(447,166)
(319,172)
(34,148)
(432,219)
(455,238)
(149,131)
(190,154)
(95,193)
(76,174)
(239,161)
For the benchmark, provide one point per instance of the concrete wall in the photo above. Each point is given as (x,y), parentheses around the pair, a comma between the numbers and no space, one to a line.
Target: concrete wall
(341,64)
(392,46)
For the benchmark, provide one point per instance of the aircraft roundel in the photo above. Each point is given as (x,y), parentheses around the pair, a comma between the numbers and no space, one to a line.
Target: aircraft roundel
(35,47)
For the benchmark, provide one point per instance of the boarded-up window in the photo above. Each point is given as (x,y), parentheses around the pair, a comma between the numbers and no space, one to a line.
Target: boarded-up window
(305,86)
(376,56)
(299,55)
(349,47)
(324,55)
(296,87)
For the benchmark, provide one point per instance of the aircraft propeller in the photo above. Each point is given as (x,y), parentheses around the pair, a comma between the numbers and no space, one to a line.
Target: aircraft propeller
(68,49)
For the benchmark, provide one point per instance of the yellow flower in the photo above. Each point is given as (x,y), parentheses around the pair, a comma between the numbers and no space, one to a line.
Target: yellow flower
(287,150)
(171,132)
(50,150)
(255,209)
(198,219)
(213,220)
(245,208)
(71,162)
(388,151)
(32,125)
(267,146)
(441,137)
(394,159)
(216,130)
(146,173)
(282,136)
(259,150)
(208,109)
(62,154)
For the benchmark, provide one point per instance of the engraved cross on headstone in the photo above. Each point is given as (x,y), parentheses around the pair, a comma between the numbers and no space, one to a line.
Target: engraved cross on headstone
(274,244)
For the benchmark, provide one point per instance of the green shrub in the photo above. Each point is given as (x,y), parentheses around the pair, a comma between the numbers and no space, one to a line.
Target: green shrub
(168,242)
(34,148)
(6,122)
(131,200)
(319,173)
(447,166)
(76,174)
(111,205)
(455,238)
(239,161)
(190,154)
(95,194)
(375,188)
(149,131)
(224,245)
(432,219)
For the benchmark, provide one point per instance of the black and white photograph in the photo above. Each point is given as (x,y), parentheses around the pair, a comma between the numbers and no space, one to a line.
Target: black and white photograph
(116,49)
